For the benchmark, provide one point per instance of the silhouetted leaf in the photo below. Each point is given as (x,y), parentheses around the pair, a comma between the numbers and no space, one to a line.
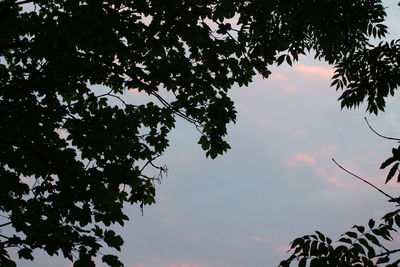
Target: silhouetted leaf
(392,172)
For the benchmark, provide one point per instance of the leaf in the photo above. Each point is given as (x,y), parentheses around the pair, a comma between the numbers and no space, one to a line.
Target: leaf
(321,236)
(85,262)
(371,223)
(203,141)
(351,234)
(371,251)
(392,172)
(361,229)
(112,260)
(373,239)
(383,260)
(296,242)
(334,82)
(359,248)
(280,59)
(387,162)
(25,253)
(345,240)
(113,240)
(289,60)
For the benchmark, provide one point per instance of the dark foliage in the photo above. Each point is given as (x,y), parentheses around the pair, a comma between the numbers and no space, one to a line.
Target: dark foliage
(70,158)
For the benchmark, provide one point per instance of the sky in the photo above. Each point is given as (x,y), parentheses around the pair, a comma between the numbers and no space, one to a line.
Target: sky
(278,181)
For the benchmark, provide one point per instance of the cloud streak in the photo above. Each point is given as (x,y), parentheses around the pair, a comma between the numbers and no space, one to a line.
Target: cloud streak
(299,160)
(315,72)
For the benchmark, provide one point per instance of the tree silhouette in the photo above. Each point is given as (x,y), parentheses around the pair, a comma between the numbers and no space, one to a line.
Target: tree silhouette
(71,157)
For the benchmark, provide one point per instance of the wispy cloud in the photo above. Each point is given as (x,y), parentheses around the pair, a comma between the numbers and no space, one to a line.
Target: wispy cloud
(290,88)
(277,77)
(299,132)
(260,239)
(301,160)
(314,71)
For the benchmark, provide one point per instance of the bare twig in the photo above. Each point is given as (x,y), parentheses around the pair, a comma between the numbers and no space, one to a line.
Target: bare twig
(5,224)
(378,134)
(387,253)
(176,111)
(365,181)
(3,236)
(6,217)
(112,95)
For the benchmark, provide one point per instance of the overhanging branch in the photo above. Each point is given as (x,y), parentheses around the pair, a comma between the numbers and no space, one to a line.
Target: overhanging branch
(365,181)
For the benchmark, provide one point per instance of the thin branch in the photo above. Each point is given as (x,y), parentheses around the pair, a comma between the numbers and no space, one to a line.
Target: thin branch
(5,224)
(6,237)
(387,253)
(112,95)
(150,161)
(155,178)
(87,165)
(23,2)
(175,111)
(6,217)
(365,181)
(378,134)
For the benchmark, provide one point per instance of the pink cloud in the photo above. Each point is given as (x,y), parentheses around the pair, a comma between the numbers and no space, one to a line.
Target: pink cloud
(260,239)
(299,132)
(314,71)
(277,77)
(311,157)
(290,88)
(340,184)
(335,183)
(301,160)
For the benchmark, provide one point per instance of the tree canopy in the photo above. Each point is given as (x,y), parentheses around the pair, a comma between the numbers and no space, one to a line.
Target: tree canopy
(70,158)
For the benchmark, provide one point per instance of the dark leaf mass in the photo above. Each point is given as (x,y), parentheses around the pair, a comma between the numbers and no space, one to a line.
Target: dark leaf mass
(71,156)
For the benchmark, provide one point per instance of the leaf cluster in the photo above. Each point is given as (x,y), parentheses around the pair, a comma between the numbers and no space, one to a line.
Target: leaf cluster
(364,246)
(371,73)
